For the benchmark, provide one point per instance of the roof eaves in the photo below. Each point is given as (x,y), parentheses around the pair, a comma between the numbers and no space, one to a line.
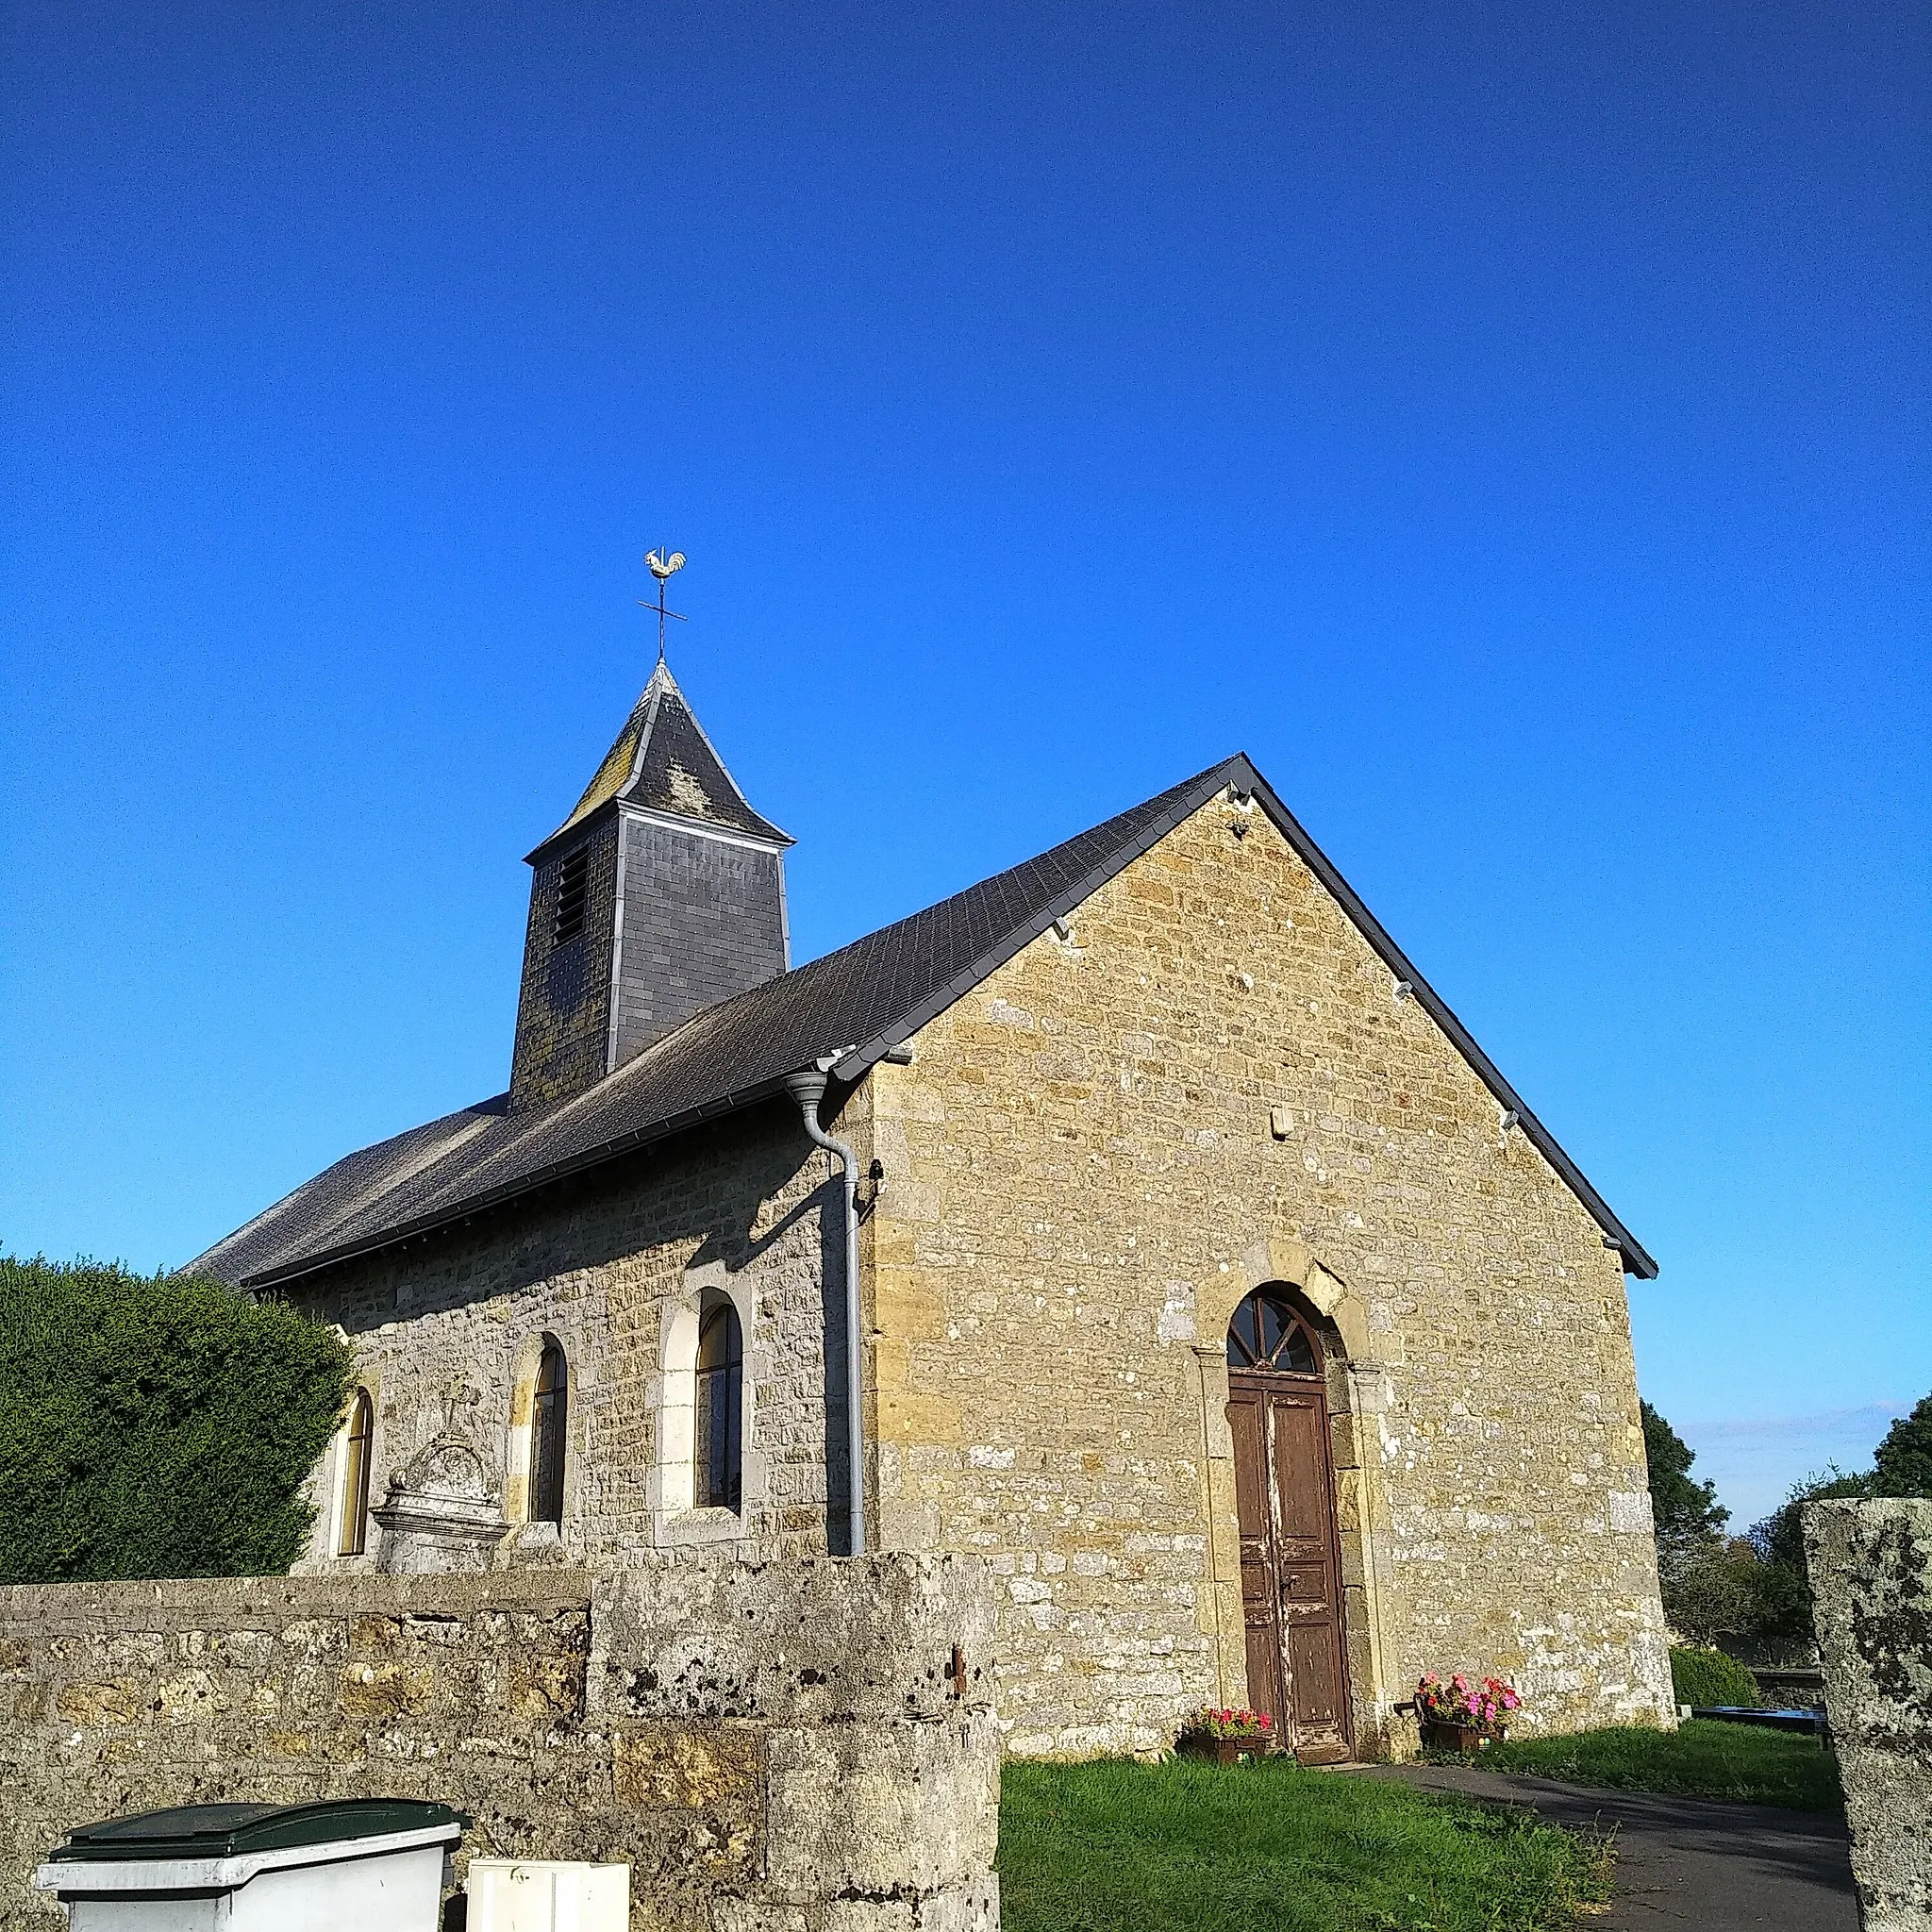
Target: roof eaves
(474,1205)
(572,828)
(411,1170)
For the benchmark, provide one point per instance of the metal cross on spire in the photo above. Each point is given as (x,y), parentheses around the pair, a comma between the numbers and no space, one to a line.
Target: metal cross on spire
(663,567)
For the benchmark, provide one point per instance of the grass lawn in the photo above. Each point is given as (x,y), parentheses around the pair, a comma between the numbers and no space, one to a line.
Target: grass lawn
(1121,1847)
(1701,1759)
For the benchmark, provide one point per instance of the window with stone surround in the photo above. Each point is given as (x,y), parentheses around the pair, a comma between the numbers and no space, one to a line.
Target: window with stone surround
(351,1509)
(708,1484)
(720,1405)
(549,1418)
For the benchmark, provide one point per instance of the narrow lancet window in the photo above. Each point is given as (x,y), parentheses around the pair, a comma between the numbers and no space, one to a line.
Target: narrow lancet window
(720,1410)
(549,1417)
(353,1536)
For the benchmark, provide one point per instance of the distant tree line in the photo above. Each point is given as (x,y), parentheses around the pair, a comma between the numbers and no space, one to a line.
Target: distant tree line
(1749,1593)
(156,1427)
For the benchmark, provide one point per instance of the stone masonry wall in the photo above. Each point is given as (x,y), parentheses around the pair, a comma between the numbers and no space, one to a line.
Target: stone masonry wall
(786,1748)
(1213,1082)
(442,1330)
(1871,1567)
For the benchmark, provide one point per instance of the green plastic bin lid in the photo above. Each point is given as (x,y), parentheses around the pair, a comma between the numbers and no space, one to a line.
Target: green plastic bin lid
(223,1831)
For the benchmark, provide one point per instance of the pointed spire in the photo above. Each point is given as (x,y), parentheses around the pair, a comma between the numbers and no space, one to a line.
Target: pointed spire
(662,762)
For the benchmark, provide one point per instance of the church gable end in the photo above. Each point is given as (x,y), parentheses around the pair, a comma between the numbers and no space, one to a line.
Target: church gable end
(1203,1080)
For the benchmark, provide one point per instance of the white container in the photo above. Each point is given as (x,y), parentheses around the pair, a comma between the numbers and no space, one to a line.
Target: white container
(178,1872)
(539,1895)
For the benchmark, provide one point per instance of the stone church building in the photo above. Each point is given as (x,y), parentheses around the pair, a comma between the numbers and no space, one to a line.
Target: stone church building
(1191,1263)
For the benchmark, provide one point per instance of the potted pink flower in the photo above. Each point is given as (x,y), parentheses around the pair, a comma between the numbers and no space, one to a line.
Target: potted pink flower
(1462,1715)
(1226,1737)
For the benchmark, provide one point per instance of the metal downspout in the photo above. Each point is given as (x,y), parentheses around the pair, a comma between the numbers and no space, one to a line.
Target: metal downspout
(809,1087)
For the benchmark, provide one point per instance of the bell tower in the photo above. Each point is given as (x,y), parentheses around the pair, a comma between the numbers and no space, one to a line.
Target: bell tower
(661,893)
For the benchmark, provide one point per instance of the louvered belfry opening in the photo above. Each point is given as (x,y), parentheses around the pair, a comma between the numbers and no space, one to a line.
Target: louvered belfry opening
(573,895)
(662,893)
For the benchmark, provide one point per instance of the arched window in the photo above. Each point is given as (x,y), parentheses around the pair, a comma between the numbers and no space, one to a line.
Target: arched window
(1267,1335)
(352,1538)
(549,1413)
(720,1408)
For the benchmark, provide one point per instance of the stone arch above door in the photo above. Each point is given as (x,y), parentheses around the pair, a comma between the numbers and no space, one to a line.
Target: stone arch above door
(1276,1258)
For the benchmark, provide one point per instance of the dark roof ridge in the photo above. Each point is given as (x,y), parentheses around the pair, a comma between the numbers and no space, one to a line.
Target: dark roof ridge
(1240,771)
(857,1002)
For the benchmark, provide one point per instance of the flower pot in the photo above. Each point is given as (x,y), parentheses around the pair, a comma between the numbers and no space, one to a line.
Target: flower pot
(1223,1750)
(1439,1736)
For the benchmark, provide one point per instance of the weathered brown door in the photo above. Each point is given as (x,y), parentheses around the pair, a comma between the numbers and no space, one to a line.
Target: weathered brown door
(1291,1567)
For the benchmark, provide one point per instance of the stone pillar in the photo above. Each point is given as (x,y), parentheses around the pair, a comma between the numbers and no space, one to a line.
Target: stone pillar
(1870,1566)
(1363,1521)
(1222,1615)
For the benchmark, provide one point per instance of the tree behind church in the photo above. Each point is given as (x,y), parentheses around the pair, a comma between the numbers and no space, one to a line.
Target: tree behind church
(1901,1465)
(155,1427)
(1690,1519)
(1708,1581)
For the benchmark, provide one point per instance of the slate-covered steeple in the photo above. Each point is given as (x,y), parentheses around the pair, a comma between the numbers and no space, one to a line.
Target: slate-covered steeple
(662,892)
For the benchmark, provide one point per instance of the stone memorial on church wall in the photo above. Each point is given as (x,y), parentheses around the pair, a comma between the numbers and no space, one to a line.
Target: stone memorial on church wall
(441,1514)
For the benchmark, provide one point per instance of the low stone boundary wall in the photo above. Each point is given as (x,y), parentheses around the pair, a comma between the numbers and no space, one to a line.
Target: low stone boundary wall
(1871,1567)
(787,1747)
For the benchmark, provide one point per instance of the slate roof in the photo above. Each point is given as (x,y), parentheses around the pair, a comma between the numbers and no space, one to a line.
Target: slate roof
(662,760)
(851,1007)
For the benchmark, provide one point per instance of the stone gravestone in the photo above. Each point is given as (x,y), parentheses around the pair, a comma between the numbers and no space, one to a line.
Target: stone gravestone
(1870,1566)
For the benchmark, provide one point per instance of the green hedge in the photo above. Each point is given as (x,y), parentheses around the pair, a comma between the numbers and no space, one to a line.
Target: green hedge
(156,1428)
(1708,1679)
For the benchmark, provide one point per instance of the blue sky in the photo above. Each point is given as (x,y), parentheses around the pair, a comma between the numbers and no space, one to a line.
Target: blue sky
(1507,424)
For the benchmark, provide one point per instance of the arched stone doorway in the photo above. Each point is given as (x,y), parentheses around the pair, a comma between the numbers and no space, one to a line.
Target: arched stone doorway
(1290,1553)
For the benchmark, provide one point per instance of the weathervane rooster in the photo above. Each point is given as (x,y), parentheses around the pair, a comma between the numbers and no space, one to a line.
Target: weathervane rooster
(663,568)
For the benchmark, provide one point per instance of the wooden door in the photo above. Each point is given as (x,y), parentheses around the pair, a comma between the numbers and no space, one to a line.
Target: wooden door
(1247,1416)
(1290,1569)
